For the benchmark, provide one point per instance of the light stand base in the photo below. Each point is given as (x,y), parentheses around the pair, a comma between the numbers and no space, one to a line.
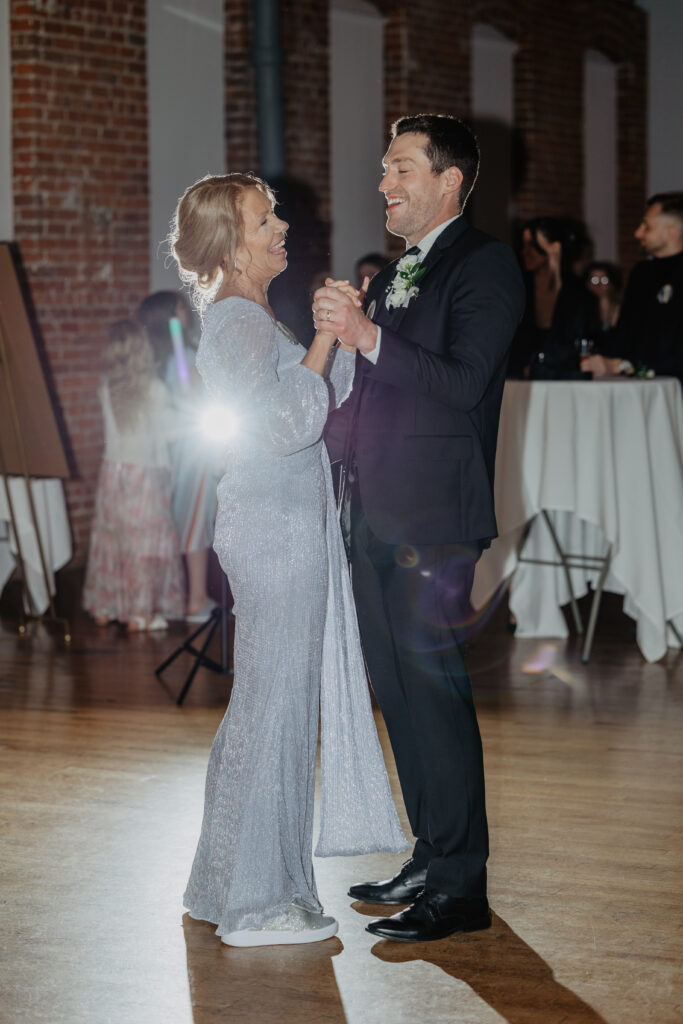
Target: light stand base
(219,617)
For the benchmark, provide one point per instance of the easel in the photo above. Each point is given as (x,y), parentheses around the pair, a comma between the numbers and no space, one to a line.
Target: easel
(27,413)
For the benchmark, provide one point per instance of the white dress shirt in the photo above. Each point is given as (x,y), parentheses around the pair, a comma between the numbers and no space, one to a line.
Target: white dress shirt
(424,245)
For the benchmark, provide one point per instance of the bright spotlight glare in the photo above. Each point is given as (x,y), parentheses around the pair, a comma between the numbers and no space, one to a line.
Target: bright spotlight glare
(218,423)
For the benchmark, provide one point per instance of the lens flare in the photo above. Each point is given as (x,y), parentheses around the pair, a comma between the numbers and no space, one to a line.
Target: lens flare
(541,660)
(406,556)
(445,604)
(564,675)
(175,328)
(218,423)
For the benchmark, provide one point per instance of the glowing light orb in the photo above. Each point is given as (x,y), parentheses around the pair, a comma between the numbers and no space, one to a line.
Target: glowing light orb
(406,556)
(218,423)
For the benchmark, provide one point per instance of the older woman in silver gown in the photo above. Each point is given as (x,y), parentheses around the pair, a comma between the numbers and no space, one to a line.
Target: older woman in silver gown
(297,651)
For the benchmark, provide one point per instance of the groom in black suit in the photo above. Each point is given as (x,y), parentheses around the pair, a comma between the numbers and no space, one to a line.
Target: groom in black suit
(419,456)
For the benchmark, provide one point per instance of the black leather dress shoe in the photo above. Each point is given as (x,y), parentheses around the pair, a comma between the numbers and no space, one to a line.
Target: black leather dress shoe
(402,888)
(433,915)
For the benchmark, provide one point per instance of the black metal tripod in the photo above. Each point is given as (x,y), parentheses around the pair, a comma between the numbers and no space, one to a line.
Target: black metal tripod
(219,616)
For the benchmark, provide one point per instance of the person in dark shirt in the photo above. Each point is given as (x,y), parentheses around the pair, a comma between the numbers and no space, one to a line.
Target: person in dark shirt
(603,281)
(559,310)
(650,328)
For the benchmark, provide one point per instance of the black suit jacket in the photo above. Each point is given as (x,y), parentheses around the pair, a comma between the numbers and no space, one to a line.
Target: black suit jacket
(576,315)
(423,422)
(650,328)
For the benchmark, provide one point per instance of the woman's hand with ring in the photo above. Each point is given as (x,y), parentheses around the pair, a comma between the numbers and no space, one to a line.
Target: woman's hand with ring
(345,307)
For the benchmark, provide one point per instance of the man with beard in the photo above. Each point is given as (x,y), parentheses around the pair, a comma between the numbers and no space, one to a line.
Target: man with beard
(650,328)
(419,457)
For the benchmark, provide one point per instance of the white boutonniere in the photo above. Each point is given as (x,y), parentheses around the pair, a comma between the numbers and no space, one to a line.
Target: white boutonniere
(403,288)
(665,294)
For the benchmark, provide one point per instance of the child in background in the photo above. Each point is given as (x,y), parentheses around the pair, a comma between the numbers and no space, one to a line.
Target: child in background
(194,475)
(134,571)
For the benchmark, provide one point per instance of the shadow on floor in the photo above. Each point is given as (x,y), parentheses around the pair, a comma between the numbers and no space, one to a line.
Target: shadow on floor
(503,971)
(261,985)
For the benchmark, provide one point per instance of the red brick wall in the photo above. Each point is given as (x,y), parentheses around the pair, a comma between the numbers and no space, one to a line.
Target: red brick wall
(305,79)
(80,144)
(240,97)
(427,67)
(305,49)
(80,197)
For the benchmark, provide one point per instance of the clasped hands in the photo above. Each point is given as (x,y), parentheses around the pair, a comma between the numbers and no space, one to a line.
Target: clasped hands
(338,310)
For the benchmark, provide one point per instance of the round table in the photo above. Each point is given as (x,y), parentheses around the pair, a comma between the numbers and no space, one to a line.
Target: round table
(605,459)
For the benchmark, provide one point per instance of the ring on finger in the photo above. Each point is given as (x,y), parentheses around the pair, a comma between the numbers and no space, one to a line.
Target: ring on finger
(329,314)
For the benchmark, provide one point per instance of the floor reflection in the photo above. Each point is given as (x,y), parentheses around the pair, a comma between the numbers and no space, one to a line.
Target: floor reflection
(262,985)
(503,970)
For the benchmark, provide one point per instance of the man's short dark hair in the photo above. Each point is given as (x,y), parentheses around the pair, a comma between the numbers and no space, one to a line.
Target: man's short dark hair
(450,144)
(670,202)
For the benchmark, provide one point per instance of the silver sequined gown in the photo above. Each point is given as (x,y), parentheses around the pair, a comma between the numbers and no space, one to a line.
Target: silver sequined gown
(297,651)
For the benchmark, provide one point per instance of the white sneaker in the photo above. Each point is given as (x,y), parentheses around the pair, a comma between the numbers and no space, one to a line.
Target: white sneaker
(296,924)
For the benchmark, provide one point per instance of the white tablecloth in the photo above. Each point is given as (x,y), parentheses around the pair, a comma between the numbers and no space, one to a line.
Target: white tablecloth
(606,457)
(48,498)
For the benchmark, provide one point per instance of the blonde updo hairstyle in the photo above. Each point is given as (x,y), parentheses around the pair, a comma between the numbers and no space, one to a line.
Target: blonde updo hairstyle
(128,369)
(208,228)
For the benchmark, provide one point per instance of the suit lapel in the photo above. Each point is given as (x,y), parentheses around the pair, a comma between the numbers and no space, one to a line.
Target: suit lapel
(377,292)
(393,317)
(381,316)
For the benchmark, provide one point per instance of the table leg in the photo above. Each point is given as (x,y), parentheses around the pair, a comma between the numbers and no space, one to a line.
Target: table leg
(567,575)
(675,631)
(595,606)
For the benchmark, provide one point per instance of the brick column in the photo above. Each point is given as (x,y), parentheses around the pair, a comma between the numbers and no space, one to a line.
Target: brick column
(240,97)
(80,198)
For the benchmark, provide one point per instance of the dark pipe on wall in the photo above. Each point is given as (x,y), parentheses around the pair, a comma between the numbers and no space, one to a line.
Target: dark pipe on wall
(267,64)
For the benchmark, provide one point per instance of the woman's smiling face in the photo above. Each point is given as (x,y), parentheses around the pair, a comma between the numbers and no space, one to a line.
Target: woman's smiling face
(261,255)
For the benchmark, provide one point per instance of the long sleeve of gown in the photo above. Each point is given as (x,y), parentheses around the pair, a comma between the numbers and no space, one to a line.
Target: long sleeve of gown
(238,359)
(341,376)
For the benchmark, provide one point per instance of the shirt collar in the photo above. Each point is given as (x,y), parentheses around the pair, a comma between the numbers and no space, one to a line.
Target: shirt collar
(425,244)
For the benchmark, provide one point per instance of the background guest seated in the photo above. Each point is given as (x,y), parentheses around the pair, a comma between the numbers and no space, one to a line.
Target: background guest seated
(559,311)
(603,280)
(650,327)
(368,266)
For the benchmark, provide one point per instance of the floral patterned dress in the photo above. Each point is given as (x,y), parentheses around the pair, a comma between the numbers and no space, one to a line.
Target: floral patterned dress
(134,564)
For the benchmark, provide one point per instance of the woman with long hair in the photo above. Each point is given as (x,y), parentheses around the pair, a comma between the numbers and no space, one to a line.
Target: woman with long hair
(603,280)
(559,312)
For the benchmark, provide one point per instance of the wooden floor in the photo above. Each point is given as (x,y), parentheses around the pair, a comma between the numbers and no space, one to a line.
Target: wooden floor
(102,785)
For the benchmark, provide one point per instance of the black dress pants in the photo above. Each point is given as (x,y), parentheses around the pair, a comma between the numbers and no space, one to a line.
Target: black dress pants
(412,604)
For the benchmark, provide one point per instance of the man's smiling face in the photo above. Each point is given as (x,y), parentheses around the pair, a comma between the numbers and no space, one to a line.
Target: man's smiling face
(417,198)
